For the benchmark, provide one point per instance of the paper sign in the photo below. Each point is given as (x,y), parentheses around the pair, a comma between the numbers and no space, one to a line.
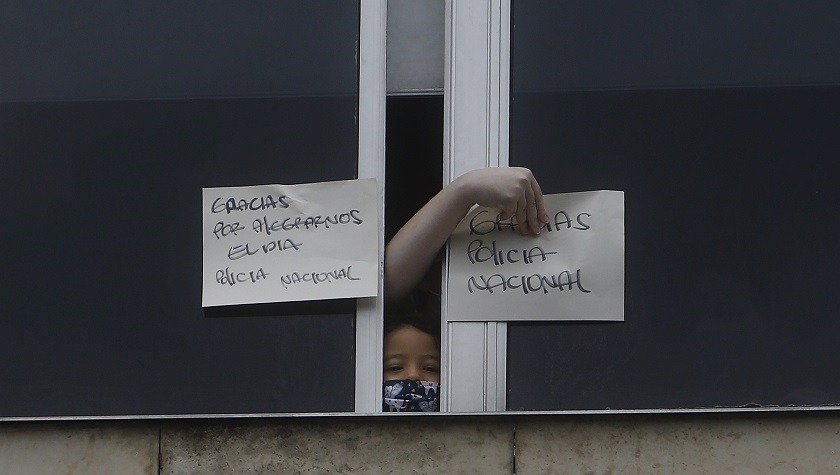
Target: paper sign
(279,243)
(572,270)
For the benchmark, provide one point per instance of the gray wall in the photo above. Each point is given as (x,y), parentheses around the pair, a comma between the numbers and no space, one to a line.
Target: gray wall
(767,443)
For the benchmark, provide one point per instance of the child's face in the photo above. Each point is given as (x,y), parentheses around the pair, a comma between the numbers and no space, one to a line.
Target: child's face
(411,354)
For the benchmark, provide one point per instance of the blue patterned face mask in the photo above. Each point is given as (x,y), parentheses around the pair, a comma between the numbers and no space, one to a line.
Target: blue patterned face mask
(409,395)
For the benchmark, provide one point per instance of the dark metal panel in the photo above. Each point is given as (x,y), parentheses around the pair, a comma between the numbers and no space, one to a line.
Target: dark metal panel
(615,44)
(731,235)
(113,116)
(731,248)
(96,49)
(102,305)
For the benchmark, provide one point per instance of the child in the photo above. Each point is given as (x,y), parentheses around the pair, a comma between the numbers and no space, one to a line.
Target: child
(412,345)
(411,361)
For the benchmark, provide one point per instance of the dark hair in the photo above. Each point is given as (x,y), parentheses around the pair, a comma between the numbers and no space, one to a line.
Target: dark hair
(421,311)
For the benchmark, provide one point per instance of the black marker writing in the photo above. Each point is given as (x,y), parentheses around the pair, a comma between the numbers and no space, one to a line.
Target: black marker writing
(258,203)
(317,277)
(222,229)
(232,278)
(482,223)
(239,250)
(527,283)
(477,252)
(562,219)
(306,222)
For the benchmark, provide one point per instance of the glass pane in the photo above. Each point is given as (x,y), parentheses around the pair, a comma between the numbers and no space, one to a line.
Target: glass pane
(612,44)
(190,49)
(731,249)
(113,118)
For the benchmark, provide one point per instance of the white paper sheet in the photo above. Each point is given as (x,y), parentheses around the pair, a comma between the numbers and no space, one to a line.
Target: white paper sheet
(573,270)
(279,243)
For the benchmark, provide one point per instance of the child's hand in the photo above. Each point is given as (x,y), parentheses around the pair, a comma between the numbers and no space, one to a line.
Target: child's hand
(514,191)
(411,251)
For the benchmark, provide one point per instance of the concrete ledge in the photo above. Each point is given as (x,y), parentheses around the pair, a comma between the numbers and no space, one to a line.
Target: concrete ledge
(377,445)
(71,448)
(760,443)
(673,444)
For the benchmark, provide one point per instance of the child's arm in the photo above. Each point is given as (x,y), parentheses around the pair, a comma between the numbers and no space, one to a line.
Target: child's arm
(411,251)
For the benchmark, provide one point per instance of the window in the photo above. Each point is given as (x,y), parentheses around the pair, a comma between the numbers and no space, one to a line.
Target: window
(113,123)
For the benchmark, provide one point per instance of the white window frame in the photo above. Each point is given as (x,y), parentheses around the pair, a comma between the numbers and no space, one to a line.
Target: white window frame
(476,98)
(476,105)
(369,311)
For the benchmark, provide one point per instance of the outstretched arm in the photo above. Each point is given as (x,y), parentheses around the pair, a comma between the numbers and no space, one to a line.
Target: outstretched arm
(411,251)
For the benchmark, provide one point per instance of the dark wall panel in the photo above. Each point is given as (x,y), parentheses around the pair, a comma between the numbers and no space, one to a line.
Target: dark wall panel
(99,49)
(614,44)
(731,239)
(102,308)
(112,119)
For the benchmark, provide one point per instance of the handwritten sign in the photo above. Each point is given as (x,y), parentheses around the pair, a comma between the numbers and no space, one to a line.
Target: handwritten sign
(573,270)
(279,243)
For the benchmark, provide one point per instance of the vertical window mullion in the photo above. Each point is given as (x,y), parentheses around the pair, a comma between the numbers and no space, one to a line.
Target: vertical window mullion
(369,311)
(475,108)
